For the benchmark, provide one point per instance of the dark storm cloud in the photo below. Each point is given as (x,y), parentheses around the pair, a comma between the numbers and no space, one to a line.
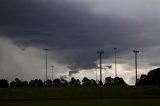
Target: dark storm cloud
(68,26)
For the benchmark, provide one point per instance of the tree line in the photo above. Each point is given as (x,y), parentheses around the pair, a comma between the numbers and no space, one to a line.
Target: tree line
(151,78)
(60,82)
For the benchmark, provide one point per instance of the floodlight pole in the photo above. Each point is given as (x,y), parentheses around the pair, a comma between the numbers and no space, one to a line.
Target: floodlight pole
(100,57)
(136,52)
(46,62)
(52,74)
(115,54)
(96,74)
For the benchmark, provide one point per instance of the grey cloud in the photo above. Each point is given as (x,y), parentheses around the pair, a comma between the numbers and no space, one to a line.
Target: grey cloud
(155,64)
(72,29)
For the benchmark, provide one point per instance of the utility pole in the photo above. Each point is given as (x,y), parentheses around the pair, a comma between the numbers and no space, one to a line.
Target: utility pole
(115,54)
(100,57)
(46,62)
(136,52)
(52,75)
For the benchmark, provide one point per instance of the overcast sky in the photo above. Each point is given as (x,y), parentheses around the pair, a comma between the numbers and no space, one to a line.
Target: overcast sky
(73,31)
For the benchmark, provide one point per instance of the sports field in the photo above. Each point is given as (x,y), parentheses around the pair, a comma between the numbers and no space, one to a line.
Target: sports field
(81,96)
(88,102)
(79,92)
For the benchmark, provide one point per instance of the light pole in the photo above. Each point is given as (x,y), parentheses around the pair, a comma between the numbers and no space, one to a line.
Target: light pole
(96,74)
(100,57)
(115,54)
(52,74)
(136,52)
(46,62)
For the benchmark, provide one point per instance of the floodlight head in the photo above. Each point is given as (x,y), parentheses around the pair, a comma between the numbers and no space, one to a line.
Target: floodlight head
(115,48)
(136,51)
(45,49)
(100,51)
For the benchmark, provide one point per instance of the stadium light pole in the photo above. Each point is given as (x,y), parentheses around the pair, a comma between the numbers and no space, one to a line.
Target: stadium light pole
(115,55)
(46,50)
(100,57)
(52,74)
(96,74)
(136,52)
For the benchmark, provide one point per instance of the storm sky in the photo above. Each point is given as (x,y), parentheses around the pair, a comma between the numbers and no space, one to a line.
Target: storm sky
(73,31)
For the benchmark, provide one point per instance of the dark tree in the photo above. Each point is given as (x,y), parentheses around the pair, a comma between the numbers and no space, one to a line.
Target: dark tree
(40,83)
(109,81)
(152,78)
(119,81)
(19,83)
(48,83)
(86,81)
(78,82)
(93,82)
(114,81)
(64,82)
(36,83)
(15,83)
(57,82)
(4,83)
(74,82)
(31,83)
(24,84)
(144,80)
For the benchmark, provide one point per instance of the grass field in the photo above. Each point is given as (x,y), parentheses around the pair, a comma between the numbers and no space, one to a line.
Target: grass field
(79,92)
(92,95)
(89,102)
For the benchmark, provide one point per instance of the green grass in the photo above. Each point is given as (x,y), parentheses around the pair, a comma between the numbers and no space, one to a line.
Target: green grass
(78,92)
(90,102)
(80,96)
